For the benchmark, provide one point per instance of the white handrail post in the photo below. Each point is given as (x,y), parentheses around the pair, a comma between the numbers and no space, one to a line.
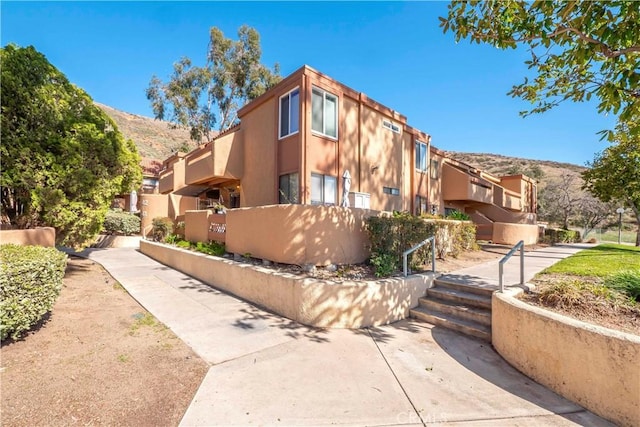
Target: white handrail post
(522,263)
(416,247)
(519,245)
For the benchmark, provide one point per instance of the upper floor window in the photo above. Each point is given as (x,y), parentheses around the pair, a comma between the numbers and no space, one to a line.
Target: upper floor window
(324,189)
(388,124)
(290,113)
(421,156)
(288,189)
(324,113)
(391,190)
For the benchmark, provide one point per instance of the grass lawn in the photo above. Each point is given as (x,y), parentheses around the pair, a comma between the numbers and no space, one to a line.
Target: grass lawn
(600,261)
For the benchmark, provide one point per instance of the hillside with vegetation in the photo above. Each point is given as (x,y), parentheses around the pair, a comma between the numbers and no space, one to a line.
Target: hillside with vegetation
(496,164)
(154,138)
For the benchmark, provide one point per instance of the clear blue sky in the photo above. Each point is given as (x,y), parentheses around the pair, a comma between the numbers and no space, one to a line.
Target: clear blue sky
(394,52)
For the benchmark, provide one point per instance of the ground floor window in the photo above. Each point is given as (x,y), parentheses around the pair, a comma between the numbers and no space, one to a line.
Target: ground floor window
(288,188)
(324,189)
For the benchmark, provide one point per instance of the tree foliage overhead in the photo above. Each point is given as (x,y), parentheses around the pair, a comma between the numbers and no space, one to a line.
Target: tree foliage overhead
(63,159)
(198,98)
(579,49)
(615,173)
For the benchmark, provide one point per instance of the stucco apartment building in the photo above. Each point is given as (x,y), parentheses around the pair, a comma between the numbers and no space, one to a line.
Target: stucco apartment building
(296,142)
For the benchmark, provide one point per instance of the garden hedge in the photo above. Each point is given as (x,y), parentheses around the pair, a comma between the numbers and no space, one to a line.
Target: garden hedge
(390,236)
(121,223)
(30,281)
(558,235)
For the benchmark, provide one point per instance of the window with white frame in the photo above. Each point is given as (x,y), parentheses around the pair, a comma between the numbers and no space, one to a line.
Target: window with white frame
(290,113)
(388,124)
(288,189)
(391,190)
(421,156)
(324,113)
(324,189)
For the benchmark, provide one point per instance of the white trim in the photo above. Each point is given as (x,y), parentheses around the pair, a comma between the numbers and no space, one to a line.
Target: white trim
(337,115)
(288,94)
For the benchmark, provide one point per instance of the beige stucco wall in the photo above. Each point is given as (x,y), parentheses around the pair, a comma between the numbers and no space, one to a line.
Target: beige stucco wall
(308,301)
(510,234)
(597,368)
(299,234)
(260,138)
(40,236)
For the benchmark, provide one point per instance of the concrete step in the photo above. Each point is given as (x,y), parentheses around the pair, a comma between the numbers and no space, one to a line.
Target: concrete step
(471,284)
(460,297)
(450,322)
(458,310)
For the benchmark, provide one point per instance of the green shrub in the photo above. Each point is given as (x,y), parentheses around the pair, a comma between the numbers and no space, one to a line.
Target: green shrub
(184,244)
(161,228)
(627,282)
(118,222)
(394,235)
(458,216)
(213,248)
(30,281)
(558,235)
(384,264)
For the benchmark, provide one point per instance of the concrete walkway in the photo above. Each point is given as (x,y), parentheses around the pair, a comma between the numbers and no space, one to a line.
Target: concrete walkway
(268,370)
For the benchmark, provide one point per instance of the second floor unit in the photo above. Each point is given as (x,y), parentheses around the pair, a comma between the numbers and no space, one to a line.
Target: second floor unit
(313,140)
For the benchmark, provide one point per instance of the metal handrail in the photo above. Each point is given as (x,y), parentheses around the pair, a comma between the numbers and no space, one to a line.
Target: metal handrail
(519,245)
(415,248)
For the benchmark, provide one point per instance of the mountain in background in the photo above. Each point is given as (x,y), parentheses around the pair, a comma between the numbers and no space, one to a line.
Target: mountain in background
(154,138)
(541,170)
(157,139)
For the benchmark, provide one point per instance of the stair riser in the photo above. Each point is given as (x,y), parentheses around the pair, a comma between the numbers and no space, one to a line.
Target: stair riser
(482,318)
(453,326)
(465,288)
(479,303)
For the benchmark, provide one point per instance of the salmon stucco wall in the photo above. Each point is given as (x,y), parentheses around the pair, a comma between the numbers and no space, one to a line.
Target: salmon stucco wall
(41,236)
(308,301)
(510,234)
(299,234)
(596,367)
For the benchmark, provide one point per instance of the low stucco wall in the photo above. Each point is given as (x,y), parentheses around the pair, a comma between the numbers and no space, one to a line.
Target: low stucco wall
(510,234)
(299,234)
(41,236)
(308,301)
(596,367)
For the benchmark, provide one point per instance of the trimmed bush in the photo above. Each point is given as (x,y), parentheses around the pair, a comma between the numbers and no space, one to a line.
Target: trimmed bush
(30,281)
(162,228)
(558,235)
(393,235)
(121,223)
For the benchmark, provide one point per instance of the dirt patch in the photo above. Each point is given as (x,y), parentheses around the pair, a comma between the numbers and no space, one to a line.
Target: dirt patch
(100,358)
(585,299)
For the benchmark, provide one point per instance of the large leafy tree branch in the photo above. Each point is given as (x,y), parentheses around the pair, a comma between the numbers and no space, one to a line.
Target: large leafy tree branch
(579,49)
(615,173)
(199,98)
(63,159)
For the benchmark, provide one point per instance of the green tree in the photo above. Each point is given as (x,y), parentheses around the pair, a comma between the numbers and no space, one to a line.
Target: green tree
(614,173)
(198,98)
(579,49)
(63,159)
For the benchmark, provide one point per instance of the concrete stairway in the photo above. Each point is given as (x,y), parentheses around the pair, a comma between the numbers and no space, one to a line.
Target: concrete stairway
(460,303)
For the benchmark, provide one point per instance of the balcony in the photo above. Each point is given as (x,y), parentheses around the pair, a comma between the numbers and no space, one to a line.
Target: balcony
(166,181)
(215,161)
(507,199)
(461,186)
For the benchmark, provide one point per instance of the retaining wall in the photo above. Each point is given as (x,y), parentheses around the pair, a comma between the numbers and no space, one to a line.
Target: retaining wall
(596,367)
(306,300)
(41,236)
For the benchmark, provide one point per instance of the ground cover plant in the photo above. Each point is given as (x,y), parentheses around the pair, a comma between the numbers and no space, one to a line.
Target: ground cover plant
(599,285)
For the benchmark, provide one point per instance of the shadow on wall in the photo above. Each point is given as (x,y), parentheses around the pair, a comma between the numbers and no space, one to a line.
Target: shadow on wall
(300,234)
